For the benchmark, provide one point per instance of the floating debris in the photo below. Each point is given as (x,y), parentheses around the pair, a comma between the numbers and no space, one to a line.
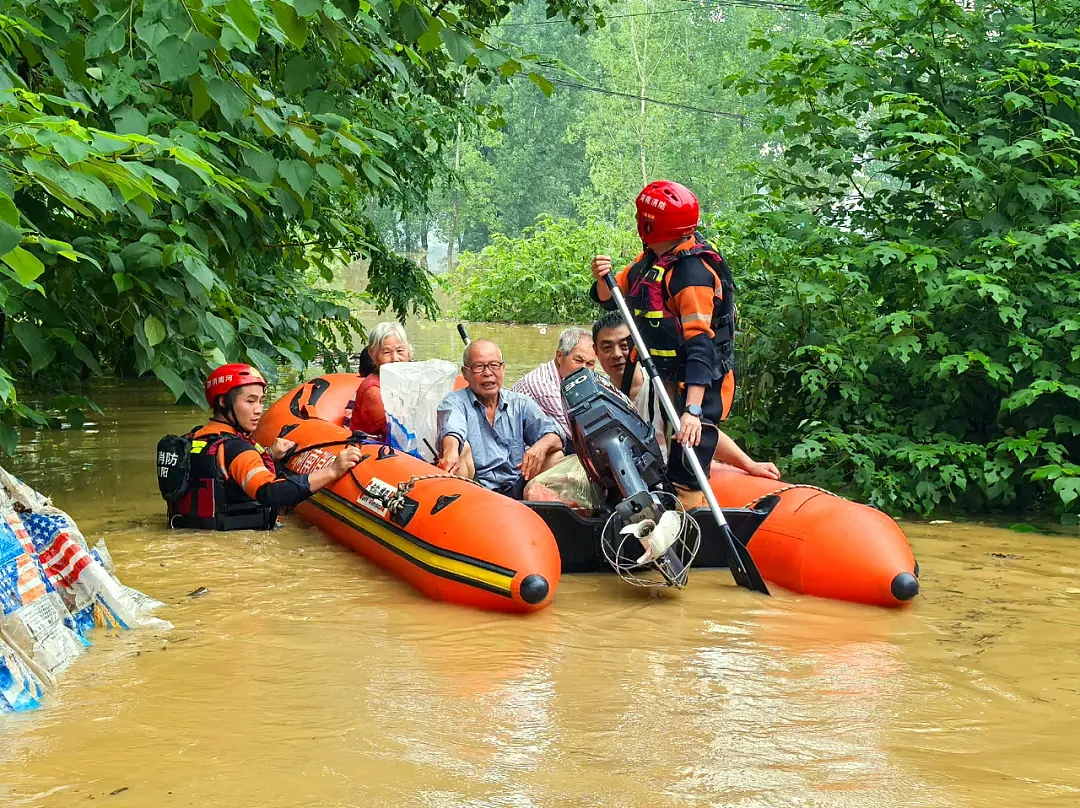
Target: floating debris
(54,588)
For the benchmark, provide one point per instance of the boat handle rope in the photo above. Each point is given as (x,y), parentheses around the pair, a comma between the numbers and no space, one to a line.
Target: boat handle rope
(785,488)
(356,438)
(395,501)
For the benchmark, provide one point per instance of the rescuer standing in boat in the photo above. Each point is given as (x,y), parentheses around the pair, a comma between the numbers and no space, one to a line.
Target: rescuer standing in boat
(226,481)
(681,294)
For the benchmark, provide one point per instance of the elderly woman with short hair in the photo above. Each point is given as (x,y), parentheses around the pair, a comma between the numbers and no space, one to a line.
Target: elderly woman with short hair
(386,343)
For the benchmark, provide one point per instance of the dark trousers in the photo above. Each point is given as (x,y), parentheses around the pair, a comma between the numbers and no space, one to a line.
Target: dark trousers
(514,490)
(712,410)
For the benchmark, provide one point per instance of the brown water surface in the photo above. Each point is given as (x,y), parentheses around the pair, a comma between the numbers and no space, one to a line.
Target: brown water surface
(307,677)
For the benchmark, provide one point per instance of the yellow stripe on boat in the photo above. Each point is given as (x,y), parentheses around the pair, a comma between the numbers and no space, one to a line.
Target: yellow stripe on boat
(426,556)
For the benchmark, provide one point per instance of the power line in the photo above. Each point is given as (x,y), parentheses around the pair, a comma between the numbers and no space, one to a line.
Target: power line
(714,5)
(576,85)
(742,119)
(606,17)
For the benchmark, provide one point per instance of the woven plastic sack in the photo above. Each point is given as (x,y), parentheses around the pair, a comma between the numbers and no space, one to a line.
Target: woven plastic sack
(565,482)
(411,392)
(53,589)
(19,688)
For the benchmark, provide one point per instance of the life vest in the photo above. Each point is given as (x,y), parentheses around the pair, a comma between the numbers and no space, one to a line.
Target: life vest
(212,500)
(649,295)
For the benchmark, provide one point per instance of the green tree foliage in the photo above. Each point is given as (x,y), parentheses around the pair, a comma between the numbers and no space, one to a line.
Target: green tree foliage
(176,175)
(540,277)
(588,149)
(910,286)
(697,131)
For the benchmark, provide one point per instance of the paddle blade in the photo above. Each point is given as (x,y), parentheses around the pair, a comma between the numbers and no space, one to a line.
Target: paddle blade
(742,566)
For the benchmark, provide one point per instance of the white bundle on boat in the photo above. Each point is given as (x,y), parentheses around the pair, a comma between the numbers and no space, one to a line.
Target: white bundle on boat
(411,392)
(53,589)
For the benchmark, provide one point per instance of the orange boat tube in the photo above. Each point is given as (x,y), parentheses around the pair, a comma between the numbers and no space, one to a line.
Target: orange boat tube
(816,543)
(450,538)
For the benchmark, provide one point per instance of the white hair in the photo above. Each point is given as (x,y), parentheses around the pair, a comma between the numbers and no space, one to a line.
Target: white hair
(570,337)
(466,356)
(378,335)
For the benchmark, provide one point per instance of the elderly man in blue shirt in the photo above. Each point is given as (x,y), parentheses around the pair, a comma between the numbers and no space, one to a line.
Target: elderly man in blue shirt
(508,436)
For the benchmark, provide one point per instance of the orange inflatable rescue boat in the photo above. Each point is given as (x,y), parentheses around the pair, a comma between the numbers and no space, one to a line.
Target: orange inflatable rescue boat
(817,543)
(450,538)
(810,541)
(456,541)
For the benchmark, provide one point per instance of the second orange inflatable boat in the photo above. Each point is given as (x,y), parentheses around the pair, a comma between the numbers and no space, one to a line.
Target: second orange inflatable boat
(451,539)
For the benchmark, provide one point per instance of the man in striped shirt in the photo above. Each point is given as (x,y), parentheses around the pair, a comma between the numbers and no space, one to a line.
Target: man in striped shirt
(544,384)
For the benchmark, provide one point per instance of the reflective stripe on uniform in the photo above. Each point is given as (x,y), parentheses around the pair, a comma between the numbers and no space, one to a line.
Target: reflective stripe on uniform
(252,473)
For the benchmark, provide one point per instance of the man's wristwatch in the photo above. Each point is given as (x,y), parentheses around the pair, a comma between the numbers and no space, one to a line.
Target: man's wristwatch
(694,410)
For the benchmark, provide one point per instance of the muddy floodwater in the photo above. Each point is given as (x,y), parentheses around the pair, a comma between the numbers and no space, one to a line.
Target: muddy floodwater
(304,676)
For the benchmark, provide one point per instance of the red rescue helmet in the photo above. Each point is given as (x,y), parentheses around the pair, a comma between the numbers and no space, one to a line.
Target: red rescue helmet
(229,377)
(666,211)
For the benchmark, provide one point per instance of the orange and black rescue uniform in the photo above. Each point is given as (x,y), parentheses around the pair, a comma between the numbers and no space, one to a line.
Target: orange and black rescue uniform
(234,484)
(683,303)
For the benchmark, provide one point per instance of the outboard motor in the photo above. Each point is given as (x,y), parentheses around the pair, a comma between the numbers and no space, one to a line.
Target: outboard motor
(619,452)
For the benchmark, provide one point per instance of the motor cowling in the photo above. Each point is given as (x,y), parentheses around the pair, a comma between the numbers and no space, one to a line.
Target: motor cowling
(616,446)
(619,452)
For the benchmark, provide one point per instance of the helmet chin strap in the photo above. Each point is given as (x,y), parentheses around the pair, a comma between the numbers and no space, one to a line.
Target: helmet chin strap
(229,413)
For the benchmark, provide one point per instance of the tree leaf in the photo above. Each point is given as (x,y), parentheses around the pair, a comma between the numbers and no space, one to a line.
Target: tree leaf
(305,8)
(171,379)
(412,21)
(221,331)
(8,212)
(122,281)
(71,149)
(41,351)
(430,40)
(230,99)
(9,238)
(200,98)
(198,269)
(540,81)
(9,438)
(144,354)
(273,122)
(261,361)
(294,27)
(458,45)
(89,189)
(141,255)
(302,140)
(129,121)
(265,165)
(25,264)
(82,353)
(330,175)
(298,174)
(299,75)
(151,32)
(154,330)
(176,59)
(244,18)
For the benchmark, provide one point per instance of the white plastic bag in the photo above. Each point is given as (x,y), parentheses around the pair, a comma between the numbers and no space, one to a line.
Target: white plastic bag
(411,392)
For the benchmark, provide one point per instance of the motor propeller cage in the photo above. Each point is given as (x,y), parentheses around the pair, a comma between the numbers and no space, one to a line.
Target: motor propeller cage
(622,458)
